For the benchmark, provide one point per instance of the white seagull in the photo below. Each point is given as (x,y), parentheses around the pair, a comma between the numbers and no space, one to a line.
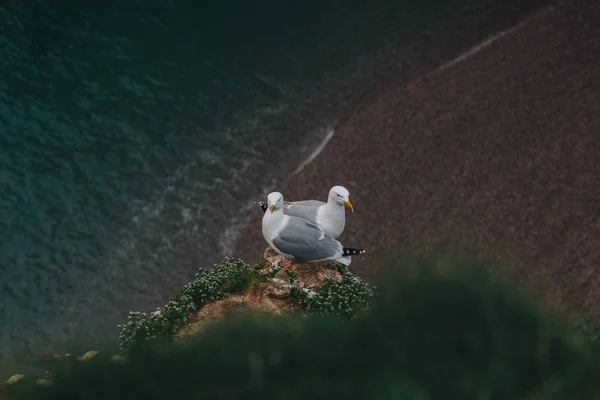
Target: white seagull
(330,216)
(299,239)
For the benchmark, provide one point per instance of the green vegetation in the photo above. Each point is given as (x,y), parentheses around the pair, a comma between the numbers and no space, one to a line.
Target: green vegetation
(233,276)
(349,298)
(439,328)
(589,329)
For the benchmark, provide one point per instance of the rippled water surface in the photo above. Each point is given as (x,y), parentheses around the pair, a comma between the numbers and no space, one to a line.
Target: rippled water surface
(134,135)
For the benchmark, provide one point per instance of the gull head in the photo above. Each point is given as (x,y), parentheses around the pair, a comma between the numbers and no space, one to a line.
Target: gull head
(275,201)
(340,195)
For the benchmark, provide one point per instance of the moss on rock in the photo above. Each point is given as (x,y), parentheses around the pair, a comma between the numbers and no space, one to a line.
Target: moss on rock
(230,277)
(348,298)
(310,289)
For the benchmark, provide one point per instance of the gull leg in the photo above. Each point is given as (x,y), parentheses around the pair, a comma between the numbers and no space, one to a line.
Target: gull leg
(286,263)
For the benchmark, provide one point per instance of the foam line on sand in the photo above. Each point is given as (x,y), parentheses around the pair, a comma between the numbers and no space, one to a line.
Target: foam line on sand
(490,40)
(317,151)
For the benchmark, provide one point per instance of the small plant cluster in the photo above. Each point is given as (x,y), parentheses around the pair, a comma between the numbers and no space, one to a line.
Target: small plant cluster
(293,277)
(230,277)
(270,272)
(348,298)
(589,329)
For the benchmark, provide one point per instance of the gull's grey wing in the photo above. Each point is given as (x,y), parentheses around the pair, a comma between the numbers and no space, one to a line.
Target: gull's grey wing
(305,203)
(305,241)
(305,209)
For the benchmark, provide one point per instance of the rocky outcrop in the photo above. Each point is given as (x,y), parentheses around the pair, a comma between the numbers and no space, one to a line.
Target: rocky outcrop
(231,287)
(47,362)
(278,293)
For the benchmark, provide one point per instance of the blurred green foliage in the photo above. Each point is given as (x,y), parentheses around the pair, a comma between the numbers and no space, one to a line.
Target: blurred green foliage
(440,328)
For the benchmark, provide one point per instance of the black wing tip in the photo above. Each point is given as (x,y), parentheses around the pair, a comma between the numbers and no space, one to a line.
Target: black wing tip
(348,251)
(263,206)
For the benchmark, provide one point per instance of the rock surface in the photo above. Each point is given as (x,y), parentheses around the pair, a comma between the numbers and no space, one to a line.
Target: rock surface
(274,295)
(47,362)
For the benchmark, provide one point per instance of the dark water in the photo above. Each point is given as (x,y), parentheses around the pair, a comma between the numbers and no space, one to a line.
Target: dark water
(134,136)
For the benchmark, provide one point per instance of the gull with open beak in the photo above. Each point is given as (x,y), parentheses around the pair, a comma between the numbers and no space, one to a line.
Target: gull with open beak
(330,216)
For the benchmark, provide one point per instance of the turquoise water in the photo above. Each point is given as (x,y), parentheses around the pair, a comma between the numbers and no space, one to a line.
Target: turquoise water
(132,140)
(134,137)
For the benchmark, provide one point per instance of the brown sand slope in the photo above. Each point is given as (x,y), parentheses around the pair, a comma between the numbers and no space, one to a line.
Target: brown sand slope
(501,149)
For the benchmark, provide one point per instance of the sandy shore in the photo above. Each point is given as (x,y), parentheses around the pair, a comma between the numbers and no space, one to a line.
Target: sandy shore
(500,149)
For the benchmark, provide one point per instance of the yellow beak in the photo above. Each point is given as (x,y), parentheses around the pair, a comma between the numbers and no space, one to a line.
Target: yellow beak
(272,207)
(349,205)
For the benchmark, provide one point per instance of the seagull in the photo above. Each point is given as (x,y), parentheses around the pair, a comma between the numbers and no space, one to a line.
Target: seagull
(299,239)
(330,216)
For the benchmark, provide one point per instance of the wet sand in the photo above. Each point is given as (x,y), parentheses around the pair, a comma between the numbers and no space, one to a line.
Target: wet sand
(500,150)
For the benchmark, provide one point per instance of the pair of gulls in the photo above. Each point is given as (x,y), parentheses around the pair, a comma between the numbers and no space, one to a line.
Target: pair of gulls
(307,230)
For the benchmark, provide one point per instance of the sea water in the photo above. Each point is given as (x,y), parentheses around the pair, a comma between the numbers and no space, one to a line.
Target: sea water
(135,135)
